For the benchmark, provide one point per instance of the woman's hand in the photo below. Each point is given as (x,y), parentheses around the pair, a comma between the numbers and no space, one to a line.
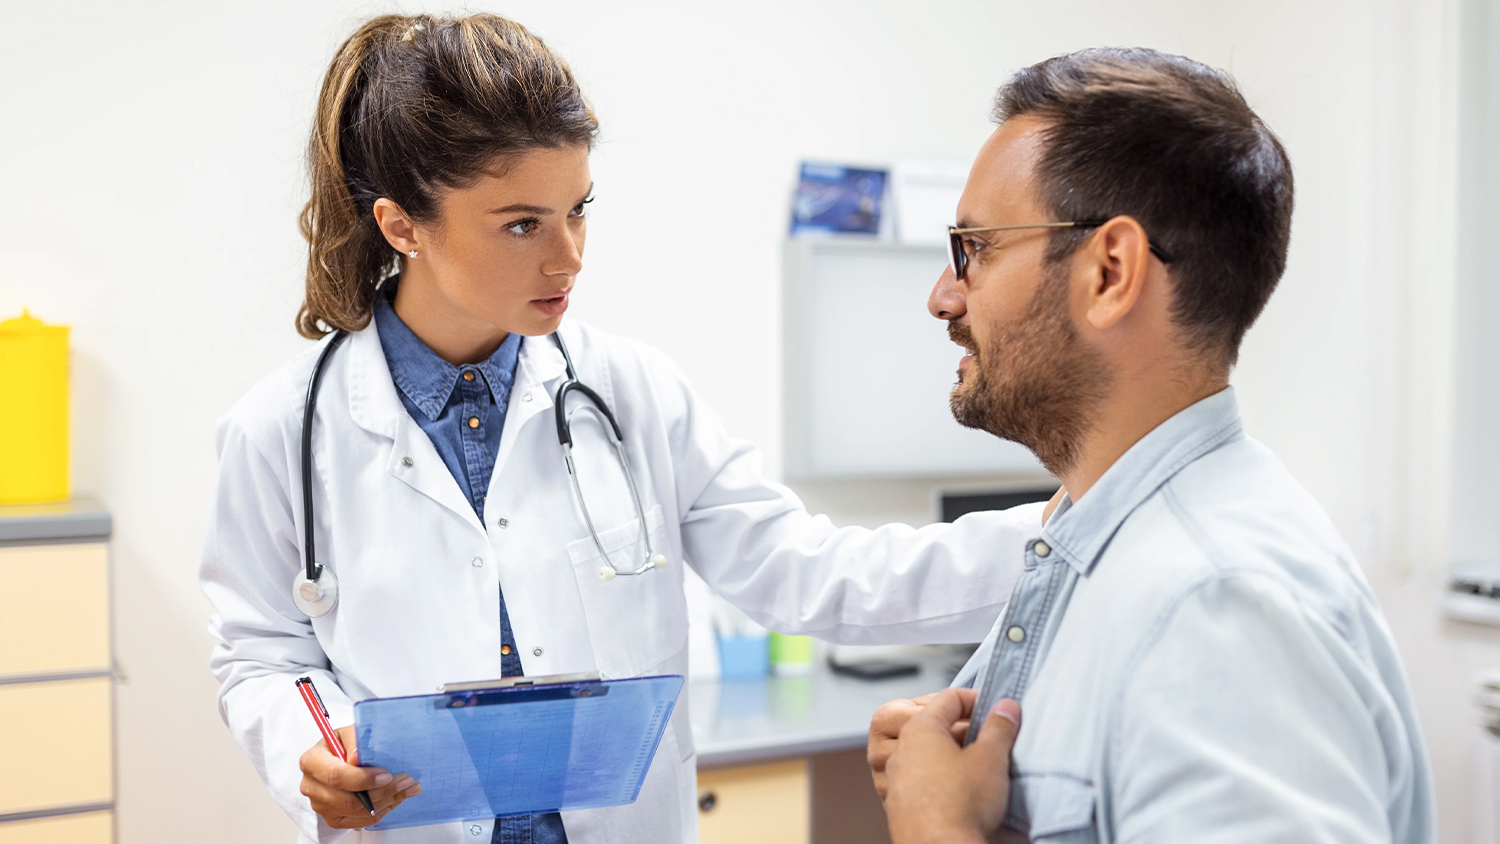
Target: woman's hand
(329,784)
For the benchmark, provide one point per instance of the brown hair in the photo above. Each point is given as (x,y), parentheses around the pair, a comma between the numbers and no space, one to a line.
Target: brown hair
(1172,143)
(412,106)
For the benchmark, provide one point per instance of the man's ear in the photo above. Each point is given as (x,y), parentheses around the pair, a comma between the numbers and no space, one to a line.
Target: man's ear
(399,230)
(1115,260)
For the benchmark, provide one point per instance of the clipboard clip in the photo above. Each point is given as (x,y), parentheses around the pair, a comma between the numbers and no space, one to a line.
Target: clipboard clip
(521,690)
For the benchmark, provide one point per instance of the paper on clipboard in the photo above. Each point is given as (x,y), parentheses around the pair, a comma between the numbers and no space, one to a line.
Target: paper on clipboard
(517,749)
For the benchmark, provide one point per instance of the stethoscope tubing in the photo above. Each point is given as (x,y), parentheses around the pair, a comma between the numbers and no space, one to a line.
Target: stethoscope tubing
(313,572)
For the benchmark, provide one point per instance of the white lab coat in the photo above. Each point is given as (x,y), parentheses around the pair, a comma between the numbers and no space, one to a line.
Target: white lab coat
(420,575)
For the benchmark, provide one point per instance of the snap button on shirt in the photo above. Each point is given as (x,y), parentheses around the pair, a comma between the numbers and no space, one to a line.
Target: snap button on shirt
(1015,634)
(1041,548)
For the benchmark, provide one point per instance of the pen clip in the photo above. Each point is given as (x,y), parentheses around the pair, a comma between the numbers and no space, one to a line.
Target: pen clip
(314,689)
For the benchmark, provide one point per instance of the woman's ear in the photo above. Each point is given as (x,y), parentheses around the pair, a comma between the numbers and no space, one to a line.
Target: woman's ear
(399,230)
(1118,257)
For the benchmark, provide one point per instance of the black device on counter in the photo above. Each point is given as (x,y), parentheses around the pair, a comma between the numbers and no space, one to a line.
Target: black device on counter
(875,669)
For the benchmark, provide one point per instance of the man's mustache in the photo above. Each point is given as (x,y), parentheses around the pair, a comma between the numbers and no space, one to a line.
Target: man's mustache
(958,332)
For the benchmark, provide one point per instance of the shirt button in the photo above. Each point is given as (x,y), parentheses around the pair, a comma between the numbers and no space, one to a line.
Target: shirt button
(1015,634)
(478,561)
(1041,548)
(503,523)
(473,421)
(536,651)
(505,649)
(468,376)
(406,461)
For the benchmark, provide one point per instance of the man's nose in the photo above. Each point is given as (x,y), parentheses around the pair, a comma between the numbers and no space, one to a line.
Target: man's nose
(946,302)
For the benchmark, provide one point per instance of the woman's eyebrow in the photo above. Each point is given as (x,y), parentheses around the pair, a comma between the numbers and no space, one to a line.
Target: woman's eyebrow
(539,210)
(527,209)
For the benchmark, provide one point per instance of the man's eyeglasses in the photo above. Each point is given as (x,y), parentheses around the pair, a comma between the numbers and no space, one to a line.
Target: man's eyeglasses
(958,257)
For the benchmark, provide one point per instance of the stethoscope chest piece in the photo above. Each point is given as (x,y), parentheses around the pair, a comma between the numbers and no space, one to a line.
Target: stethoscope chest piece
(316,598)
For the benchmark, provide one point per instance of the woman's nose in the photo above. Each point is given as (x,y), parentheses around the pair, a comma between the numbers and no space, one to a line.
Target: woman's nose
(946,302)
(567,258)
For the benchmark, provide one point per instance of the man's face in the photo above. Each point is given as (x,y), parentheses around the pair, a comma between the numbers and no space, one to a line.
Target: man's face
(1028,376)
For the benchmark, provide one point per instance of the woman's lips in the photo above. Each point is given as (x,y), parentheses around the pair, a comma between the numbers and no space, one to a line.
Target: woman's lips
(552,306)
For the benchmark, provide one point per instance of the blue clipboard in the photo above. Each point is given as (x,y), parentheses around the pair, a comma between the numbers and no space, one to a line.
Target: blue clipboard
(521,748)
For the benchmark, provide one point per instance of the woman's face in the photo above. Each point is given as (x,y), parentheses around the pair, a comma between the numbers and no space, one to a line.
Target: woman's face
(502,256)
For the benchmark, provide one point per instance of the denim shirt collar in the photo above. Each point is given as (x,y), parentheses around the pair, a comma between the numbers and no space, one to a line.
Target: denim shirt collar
(425,377)
(1080,530)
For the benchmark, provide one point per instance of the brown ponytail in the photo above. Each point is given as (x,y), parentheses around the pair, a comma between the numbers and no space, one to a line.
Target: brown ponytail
(412,106)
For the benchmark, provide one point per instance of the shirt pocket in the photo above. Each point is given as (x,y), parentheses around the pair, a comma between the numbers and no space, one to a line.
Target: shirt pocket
(635,622)
(1053,807)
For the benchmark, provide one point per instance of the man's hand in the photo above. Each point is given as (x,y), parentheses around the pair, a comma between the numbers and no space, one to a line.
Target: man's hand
(939,791)
(329,784)
(885,728)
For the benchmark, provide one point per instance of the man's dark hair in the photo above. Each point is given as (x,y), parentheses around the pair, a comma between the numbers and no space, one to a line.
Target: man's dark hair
(1172,143)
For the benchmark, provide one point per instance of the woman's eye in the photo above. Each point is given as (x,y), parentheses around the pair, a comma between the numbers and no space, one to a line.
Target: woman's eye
(523,227)
(579,209)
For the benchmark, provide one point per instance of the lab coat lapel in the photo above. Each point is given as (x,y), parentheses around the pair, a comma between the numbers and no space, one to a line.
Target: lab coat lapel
(537,371)
(374,406)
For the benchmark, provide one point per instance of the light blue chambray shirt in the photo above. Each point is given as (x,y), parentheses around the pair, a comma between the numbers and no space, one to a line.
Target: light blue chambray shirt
(1199,659)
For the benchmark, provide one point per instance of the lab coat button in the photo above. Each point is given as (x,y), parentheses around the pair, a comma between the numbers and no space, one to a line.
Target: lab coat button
(478,561)
(503,522)
(536,651)
(475,829)
(1041,548)
(1015,634)
(406,461)
(525,397)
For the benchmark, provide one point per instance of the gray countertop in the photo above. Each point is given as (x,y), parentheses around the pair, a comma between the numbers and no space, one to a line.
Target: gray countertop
(738,721)
(75,519)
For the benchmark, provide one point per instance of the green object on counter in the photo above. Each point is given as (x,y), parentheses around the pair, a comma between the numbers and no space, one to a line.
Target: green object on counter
(791,651)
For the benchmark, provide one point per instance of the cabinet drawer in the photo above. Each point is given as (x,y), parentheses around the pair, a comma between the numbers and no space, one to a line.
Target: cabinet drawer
(92,828)
(54,608)
(754,804)
(56,738)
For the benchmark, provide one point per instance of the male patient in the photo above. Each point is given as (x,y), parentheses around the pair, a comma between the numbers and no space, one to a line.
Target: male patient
(1198,655)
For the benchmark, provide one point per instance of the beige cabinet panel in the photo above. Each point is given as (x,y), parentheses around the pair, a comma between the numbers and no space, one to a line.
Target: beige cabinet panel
(54,608)
(56,738)
(92,828)
(754,804)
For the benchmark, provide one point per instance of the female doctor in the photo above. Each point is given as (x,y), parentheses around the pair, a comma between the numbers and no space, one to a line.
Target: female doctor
(450,178)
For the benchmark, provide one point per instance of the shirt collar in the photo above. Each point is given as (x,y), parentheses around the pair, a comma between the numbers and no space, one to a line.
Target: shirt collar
(425,377)
(1080,530)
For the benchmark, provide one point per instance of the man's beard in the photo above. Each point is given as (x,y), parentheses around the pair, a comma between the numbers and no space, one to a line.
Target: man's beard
(1036,382)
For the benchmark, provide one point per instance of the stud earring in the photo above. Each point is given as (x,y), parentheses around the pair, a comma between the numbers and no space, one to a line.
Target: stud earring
(412,254)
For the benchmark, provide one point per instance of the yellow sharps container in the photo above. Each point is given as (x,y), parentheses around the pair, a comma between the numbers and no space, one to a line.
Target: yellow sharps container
(33,411)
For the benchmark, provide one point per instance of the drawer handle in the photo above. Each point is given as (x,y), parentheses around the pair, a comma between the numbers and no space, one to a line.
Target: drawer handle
(707,800)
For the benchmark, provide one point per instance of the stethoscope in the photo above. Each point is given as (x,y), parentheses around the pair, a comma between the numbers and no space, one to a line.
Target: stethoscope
(315,590)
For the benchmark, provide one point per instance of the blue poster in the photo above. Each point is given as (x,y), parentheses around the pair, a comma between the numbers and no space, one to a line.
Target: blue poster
(838,200)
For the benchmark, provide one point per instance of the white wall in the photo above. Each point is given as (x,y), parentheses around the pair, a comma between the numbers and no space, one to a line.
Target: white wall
(151,174)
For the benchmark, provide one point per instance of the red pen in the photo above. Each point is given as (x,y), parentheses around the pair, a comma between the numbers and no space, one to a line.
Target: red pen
(319,712)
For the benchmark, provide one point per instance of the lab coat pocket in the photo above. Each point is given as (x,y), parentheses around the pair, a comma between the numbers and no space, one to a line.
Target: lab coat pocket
(635,622)
(1054,807)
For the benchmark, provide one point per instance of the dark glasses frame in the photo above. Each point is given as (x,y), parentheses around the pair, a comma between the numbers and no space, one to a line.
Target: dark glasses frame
(958,259)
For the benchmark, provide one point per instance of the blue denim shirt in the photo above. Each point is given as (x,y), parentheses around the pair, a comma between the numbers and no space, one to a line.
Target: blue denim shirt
(462,410)
(1199,658)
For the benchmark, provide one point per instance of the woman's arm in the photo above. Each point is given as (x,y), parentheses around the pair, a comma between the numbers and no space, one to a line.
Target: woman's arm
(250,556)
(753,541)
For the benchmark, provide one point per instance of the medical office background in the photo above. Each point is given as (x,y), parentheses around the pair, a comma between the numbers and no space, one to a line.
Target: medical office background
(152,172)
